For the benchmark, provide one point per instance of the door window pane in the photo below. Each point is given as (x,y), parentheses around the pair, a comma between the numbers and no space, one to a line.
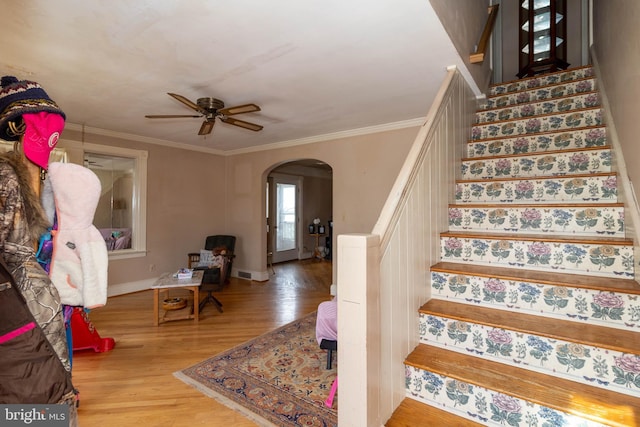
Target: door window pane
(286,215)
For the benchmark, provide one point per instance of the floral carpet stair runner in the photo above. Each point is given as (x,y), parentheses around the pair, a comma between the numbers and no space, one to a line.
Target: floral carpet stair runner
(534,316)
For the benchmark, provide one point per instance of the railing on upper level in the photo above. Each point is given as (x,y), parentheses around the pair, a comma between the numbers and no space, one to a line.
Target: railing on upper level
(386,273)
(483,44)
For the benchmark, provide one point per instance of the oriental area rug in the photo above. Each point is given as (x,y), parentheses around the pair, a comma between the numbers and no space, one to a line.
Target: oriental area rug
(279,378)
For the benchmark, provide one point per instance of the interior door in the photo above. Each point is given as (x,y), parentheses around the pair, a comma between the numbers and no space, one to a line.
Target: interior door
(286,221)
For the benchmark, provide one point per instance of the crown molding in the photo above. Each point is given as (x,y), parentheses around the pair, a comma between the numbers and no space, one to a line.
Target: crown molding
(331,136)
(284,144)
(139,138)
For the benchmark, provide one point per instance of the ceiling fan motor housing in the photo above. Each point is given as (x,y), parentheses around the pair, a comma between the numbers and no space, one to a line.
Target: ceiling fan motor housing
(210,104)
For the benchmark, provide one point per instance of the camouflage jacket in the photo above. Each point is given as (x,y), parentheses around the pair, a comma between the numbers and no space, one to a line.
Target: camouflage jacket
(22,220)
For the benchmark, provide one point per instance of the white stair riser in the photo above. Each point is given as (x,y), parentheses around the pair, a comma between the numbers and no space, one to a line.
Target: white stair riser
(597,260)
(591,189)
(575,138)
(543,80)
(540,93)
(604,368)
(579,101)
(555,122)
(484,406)
(594,307)
(534,165)
(587,221)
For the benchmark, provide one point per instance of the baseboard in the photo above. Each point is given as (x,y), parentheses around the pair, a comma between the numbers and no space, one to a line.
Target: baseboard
(143,285)
(130,287)
(258,276)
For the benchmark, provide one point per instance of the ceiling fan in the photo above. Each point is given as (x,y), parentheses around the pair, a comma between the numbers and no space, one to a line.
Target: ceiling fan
(210,108)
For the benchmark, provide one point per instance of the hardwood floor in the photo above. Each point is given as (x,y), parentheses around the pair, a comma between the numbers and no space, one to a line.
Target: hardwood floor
(133,384)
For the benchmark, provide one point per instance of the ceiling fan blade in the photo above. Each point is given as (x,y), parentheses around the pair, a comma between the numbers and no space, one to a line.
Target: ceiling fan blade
(169,116)
(207,127)
(186,102)
(241,123)
(246,108)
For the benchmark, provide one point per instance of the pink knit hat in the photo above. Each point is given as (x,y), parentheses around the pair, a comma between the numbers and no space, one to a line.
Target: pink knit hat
(41,136)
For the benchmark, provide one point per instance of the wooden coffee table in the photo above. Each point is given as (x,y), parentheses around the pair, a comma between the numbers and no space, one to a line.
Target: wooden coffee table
(166,282)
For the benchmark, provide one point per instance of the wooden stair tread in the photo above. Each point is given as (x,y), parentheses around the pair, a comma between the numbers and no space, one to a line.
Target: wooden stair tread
(567,238)
(536,153)
(542,277)
(411,413)
(596,404)
(537,178)
(625,341)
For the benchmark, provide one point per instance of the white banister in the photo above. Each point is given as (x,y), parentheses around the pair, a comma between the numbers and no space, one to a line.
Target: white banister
(383,277)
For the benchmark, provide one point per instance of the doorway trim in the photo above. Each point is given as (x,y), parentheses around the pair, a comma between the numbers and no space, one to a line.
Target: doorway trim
(298,181)
(303,168)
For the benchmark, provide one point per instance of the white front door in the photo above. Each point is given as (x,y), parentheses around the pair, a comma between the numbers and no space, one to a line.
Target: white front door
(287,223)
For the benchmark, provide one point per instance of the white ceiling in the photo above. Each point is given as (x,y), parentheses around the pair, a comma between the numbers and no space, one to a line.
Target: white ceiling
(315,68)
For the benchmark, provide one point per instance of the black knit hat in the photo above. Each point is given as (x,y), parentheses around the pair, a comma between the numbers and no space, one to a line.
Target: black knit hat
(18,97)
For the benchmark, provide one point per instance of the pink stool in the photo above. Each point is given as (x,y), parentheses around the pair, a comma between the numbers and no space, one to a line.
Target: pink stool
(334,387)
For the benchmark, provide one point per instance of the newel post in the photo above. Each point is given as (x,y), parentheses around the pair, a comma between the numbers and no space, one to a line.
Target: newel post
(358,329)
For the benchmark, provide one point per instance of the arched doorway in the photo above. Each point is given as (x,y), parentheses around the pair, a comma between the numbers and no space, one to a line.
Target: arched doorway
(297,192)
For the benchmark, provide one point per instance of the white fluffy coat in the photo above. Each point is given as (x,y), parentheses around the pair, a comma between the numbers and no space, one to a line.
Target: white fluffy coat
(80,260)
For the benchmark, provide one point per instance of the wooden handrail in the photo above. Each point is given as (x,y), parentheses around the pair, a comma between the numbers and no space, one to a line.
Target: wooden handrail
(478,56)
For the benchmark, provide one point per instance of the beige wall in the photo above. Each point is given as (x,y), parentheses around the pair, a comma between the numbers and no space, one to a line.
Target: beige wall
(193,194)
(364,169)
(464,21)
(616,35)
(185,194)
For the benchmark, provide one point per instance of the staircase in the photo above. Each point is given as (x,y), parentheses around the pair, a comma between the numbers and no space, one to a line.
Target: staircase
(534,318)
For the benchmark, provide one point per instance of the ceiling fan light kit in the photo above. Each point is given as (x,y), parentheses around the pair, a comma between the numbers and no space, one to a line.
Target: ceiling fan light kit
(210,108)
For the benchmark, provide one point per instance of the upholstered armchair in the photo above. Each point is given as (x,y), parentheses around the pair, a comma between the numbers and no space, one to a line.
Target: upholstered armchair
(216,259)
